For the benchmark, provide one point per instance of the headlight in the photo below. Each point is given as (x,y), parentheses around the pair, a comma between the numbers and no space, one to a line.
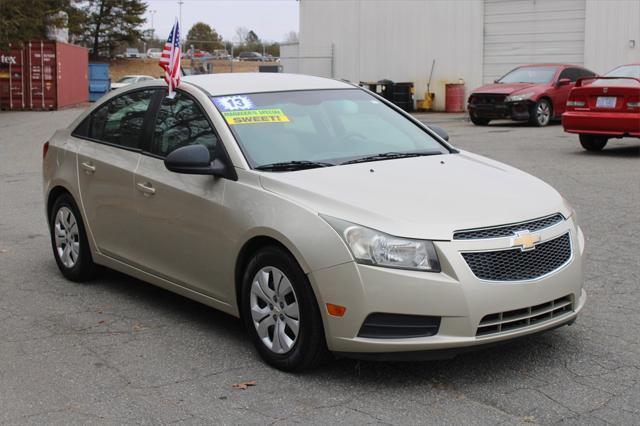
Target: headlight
(371,247)
(520,97)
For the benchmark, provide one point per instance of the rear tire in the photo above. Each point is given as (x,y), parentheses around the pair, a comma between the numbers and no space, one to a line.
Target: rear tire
(478,121)
(69,241)
(541,113)
(275,291)
(593,142)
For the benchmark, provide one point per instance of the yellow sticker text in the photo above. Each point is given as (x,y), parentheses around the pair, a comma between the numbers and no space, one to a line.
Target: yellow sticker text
(253,116)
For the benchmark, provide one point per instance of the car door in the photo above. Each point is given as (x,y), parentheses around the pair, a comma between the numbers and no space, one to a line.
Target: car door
(561,93)
(107,159)
(180,227)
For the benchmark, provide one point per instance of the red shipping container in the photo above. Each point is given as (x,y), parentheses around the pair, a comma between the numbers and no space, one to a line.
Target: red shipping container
(43,75)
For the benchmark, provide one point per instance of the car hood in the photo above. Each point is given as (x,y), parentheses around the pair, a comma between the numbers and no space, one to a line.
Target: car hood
(504,89)
(421,197)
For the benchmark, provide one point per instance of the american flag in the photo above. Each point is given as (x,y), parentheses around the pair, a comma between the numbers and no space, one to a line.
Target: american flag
(170,59)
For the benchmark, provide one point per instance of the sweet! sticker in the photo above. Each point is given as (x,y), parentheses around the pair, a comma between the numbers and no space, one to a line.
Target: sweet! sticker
(233,103)
(274,115)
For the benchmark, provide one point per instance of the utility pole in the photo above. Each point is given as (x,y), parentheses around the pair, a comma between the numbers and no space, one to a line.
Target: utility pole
(153,31)
(180,3)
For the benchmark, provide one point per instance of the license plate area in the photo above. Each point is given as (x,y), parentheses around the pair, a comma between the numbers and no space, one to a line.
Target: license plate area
(606,102)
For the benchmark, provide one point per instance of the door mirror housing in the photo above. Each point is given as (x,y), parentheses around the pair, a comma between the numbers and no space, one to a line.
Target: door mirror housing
(440,132)
(563,82)
(195,160)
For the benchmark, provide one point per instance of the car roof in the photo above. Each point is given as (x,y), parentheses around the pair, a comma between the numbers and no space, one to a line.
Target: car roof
(550,65)
(237,83)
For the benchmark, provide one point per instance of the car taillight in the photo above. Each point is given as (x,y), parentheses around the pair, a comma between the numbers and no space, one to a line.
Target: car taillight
(634,102)
(576,102)
(45,149)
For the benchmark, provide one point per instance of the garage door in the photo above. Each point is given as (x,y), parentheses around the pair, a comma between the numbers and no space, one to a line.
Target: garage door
(519,32)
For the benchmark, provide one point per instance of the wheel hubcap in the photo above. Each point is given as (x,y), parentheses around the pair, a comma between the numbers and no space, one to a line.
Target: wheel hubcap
(67,238)
(544,113)
(274,310)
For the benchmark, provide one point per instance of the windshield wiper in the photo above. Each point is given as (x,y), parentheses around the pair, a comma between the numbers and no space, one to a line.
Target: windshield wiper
(391,156)
(287,166)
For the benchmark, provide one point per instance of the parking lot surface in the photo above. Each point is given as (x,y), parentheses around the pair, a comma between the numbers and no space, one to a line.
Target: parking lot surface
(117,350)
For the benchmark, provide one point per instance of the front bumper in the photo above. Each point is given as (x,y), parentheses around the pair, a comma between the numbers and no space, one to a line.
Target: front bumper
(456,295)
(518,111)
(602,123)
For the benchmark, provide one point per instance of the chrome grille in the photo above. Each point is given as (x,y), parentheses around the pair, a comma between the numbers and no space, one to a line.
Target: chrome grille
(508,230)
(512,320)
(518,265)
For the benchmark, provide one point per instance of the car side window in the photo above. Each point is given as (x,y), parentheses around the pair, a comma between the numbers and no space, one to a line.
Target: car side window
(121,120)
(181,122)
(570,73)
(582,72)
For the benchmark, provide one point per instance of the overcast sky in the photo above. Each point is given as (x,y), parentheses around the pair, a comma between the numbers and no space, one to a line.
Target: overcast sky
(270,19)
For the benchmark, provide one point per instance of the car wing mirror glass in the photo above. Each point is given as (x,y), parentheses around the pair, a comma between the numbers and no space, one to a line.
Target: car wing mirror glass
(440,132)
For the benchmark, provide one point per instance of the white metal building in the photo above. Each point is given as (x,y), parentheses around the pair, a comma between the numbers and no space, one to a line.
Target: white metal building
(473,40)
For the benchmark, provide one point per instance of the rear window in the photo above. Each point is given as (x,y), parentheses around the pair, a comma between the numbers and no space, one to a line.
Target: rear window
(623,71)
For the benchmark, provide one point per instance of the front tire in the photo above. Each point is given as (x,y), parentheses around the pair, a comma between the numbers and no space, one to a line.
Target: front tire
(69,240)
(541,113)
(593,142)
(281,313)
(478,121)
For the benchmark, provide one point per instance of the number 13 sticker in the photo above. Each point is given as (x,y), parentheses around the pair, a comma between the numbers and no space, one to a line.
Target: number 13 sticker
(233,103)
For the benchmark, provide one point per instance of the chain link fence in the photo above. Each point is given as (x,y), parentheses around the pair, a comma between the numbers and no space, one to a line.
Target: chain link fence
(297,60)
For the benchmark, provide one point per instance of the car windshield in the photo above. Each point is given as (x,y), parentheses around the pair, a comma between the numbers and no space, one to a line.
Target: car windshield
(127,79)
(536,75)
(323,127)
(623,71)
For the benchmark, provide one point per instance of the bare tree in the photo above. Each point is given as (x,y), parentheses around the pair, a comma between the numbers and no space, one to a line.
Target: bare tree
(291,37)
(241,34)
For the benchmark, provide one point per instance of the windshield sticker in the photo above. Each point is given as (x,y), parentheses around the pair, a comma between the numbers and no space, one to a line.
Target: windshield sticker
(233,103)
(275,115)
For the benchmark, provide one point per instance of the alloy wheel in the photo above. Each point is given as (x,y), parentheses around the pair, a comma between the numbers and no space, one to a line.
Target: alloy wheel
(67,237)
(543,113)
(274,310)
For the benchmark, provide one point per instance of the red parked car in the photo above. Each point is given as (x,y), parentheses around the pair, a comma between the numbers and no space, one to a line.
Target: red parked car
(604,108)
(535,93)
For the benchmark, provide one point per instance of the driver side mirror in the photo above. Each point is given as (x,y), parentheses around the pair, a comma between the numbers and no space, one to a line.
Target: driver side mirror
(195,160)
(563,82)
(440,132)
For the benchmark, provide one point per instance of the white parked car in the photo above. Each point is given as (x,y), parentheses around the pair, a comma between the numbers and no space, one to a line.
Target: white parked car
(325,217)
(130,79)
(131,52)
(154,53)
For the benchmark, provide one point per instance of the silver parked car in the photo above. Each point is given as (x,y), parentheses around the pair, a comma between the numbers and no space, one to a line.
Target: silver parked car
(326,218)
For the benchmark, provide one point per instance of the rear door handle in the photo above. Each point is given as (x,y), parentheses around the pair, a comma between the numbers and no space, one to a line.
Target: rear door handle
(88,167)
(146,188)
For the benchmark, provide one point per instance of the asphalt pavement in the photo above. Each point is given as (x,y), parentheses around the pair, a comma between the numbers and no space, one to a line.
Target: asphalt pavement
(117,350)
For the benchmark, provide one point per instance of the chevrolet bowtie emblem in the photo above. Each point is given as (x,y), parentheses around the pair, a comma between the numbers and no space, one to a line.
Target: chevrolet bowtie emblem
(525,240)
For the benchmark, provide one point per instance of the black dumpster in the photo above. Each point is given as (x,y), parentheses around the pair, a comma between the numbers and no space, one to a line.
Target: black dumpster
(400,94)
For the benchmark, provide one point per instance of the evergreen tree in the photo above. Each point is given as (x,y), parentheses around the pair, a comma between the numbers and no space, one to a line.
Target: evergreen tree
(202,36)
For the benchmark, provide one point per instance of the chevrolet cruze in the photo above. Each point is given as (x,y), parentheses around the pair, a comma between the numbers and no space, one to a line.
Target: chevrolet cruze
(326,218)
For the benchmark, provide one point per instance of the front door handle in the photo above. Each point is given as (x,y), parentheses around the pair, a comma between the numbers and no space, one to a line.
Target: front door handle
(88,167)
(146,188)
